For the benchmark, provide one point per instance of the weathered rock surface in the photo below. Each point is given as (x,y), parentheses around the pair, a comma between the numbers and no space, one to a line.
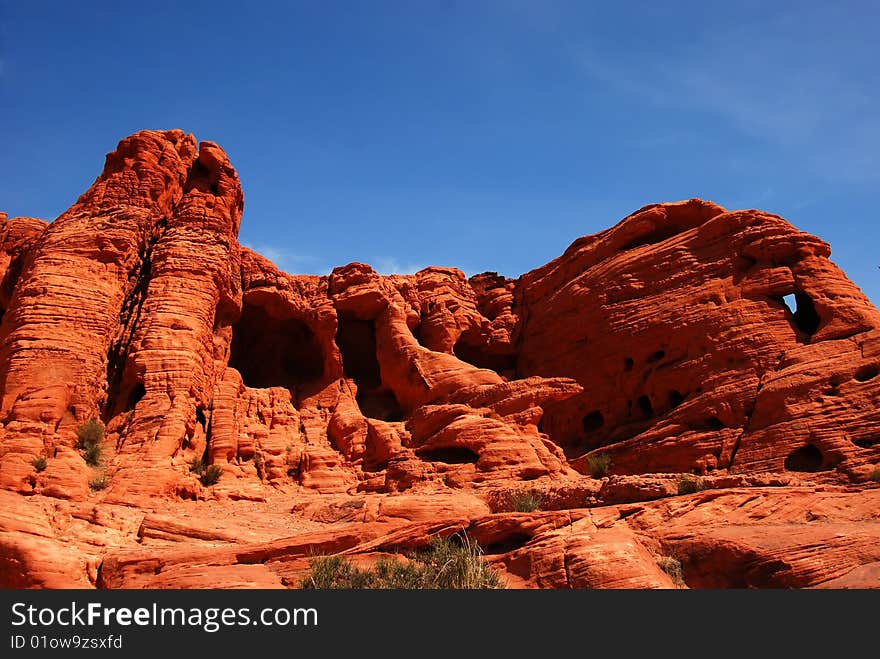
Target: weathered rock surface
(364,414)
(675,324)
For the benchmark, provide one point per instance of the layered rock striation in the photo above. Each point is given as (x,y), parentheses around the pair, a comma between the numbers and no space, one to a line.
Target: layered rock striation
(685,339)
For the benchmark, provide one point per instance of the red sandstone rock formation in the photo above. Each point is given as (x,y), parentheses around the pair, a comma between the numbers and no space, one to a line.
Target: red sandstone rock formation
(664,342)
(675,325)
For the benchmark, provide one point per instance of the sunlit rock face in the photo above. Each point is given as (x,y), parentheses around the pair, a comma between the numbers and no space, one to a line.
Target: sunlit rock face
(685,339)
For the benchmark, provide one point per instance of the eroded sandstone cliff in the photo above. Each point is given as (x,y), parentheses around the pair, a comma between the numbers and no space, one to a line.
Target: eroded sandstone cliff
(366,413)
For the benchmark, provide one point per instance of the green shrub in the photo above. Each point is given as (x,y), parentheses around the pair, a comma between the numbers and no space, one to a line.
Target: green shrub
(88,440)
(875,475)
(39,463)
(392,574)
(336,572)
(445,564)
(689,484)
(212,475)
(456,565)
(90,432)
(524,501)
(92,454)
(599,464)
(672,567)
(197,466)
(99,482)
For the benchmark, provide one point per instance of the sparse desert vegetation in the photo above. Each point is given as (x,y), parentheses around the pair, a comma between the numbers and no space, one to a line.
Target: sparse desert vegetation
(599,464)
(88,440)
(524,501)
(445,564)
(690,484)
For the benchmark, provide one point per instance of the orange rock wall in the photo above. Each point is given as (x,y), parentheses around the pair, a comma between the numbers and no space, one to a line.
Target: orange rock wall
(663,341)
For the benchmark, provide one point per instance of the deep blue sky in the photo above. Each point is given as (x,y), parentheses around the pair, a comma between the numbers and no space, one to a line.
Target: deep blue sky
(485,135)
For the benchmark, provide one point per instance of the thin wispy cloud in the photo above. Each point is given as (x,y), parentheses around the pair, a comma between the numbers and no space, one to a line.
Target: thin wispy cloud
(757,199)
(790,88)
(290,261)
(390,265)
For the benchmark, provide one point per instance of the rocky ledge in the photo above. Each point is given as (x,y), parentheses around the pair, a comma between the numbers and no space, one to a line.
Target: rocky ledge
(692,387)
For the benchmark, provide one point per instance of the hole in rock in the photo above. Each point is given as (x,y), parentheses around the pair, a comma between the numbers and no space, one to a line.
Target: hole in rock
(593,421)
(657,356)
(743,263)
(577,446)
(137,392)
(269,352)
(806,458)
(803,312)
(200,179)
(380,404)
(357,343)
(645,406)
(865,373)
(714,423)
(469,350)
(200,417)
(628,364)
(509,543)
(806,318)
(675,398)
(659,234)
(867,442)
(450,455)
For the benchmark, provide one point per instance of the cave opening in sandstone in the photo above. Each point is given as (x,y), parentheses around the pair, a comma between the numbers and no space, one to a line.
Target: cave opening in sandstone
(448,455)
(807,458)
(593,421)
(662,232)
(471,349)
(645,406)
(591,438)
(137,392)
(271,352)
(804,316)
(676,398)
(866,373)
(509,542)
(356,340)
(199,178)
(657,356)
